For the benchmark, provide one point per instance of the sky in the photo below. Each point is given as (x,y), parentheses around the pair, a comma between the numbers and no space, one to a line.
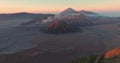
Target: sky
(105,7)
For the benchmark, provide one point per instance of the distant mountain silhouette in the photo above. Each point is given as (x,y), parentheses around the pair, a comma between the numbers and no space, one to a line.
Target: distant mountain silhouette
(73,17)
(70,11)
(21,15)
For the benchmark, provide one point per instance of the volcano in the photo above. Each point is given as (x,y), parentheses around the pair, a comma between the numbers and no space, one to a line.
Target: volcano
(71,12)
(57,27)
(68,11)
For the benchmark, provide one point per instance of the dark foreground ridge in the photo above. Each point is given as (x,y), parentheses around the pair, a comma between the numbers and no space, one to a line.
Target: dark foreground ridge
(111,56)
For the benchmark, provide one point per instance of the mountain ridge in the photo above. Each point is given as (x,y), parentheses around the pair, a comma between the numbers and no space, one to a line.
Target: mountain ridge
(70,11)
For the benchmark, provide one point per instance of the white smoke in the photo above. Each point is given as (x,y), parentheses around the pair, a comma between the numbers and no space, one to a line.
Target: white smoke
(49,19)
(61,17)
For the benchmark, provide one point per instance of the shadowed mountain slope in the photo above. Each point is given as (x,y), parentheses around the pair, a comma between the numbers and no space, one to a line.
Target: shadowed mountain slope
(59,27)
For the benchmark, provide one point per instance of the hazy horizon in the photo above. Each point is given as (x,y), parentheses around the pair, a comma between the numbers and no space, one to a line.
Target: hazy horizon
(104,7)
